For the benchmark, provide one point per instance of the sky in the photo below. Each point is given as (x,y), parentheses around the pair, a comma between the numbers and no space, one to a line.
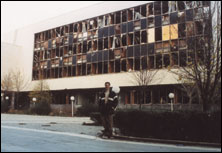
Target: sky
(17,14)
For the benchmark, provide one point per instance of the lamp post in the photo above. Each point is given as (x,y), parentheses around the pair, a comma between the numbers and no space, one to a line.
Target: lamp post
(72,98)
(2,97)
(34,100)
(171,96)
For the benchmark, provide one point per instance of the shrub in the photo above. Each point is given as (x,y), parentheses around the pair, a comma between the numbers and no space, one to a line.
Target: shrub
(191,126)
(87,109)
(4,107)
(41,108)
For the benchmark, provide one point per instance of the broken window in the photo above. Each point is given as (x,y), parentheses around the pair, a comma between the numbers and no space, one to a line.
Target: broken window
(174,31)
(165,19)
(143,11)
(199,27)
(189,29)
(158,47)
(117,29)
(79,49)
(166,60)
(106,20)
(150,22)
(182,44)
(124,17)
(101,22)
(124,43)
(183,58)
(111,18)
(189,15)
(117,42)
(172,6)
(158,21)
(84,46)
(182,30)
(165,7)
(151,35)
(130,14)
(199,43)
(144,37)
(94,45)
(66,29)
(157,8)
(174,45)
(118,15)
(137,25)
(166,33)
(181,5)
(158,34)
(150,9)
(137,14)
(191,43)
(166,46)
(173,18)
(105,43)
(137,38)
(89,46)
(62,31)
(129,65)
(130,39)
(181,17)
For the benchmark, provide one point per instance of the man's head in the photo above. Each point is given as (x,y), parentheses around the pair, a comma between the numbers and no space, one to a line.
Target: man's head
(107,85)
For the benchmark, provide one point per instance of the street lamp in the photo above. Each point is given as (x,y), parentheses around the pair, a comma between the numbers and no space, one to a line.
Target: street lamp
(34,100)
(7,98)
(171,96)
(72,98)
(2,97)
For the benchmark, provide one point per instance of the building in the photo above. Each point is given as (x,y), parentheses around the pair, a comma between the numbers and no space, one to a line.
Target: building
(77,53)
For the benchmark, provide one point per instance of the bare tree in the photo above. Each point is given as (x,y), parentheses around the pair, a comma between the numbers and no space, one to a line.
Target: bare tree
(20,82)
(204,68)
(143,78)
(6,82)
(41,92)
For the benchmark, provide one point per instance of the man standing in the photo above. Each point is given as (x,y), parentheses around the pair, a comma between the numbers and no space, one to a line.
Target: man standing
(107,104)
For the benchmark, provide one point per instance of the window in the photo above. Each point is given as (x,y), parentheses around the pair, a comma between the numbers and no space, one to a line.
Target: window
(151,36)
(174,31)
(166,32)
(158,34)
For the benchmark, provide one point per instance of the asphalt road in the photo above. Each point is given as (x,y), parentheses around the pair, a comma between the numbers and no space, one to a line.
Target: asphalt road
(17,136)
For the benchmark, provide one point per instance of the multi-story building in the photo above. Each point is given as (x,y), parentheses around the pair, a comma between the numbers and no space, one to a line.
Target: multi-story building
(77,53)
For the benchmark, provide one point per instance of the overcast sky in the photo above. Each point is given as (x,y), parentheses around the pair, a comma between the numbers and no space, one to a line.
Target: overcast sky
(17,14)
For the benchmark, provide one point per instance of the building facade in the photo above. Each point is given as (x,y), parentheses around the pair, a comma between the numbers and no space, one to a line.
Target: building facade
(77,56)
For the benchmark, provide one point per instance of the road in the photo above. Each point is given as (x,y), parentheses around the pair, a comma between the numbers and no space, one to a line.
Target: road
(21,133)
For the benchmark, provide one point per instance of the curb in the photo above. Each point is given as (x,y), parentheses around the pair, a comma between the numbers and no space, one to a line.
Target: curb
(176,142)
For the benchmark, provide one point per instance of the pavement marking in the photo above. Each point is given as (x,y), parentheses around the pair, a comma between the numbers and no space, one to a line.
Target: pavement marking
(107,140)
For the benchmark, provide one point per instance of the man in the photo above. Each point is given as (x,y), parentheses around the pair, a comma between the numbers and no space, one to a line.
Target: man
(107,104)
